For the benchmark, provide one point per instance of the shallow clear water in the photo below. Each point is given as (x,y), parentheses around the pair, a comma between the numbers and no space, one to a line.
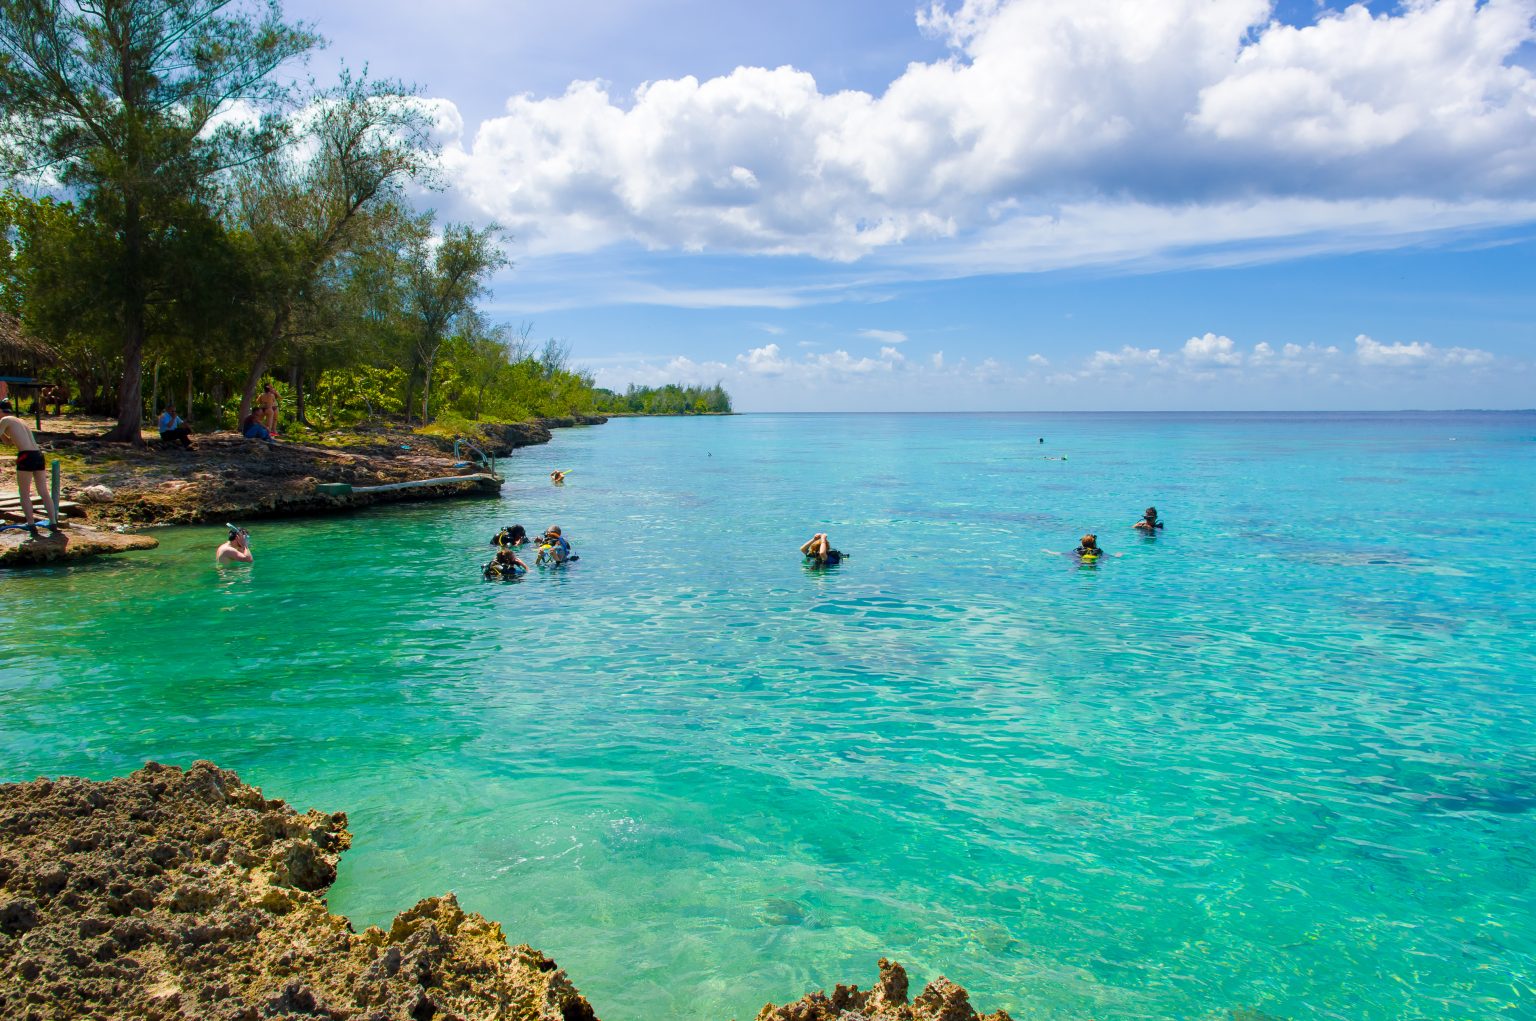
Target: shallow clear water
(1280,758)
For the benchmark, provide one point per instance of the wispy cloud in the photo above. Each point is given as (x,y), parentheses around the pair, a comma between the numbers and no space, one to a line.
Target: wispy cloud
(1209,369)
(885,336)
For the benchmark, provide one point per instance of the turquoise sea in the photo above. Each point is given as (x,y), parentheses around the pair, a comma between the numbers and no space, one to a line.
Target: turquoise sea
(1280,759)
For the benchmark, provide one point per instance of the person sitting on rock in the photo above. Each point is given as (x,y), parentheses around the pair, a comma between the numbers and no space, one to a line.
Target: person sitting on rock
(251,429)
(173,428)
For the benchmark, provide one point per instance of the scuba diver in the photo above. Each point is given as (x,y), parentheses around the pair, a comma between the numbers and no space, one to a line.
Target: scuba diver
(1149,522)
(1089,550)
(819,548)
(505,566)
(554,549)
(512,535)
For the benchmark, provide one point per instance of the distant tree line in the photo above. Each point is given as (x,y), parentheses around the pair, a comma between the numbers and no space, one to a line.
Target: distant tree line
(193,225)
(671,399)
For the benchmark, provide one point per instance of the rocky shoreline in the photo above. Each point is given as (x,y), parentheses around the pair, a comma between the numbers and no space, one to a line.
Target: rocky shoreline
(171,894)
(225,477)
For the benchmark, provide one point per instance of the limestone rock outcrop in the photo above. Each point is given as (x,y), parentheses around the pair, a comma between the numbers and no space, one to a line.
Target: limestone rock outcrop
(171,894)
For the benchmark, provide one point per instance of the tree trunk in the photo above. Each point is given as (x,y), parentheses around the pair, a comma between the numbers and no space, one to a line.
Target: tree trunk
(130,396)
(296,383)
(426,391)
(259,366)
(154,387)
(189,395)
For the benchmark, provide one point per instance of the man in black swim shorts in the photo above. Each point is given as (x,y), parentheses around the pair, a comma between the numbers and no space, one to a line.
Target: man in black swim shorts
(31,467)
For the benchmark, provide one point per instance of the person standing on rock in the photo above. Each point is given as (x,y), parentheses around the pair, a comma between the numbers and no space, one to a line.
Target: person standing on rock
(31,467)
(236,550)
(266,404)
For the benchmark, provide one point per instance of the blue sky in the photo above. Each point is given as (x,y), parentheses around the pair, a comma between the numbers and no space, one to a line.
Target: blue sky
(997,204)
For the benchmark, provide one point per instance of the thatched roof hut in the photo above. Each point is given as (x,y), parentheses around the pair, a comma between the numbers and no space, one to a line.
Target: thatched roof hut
(20,349)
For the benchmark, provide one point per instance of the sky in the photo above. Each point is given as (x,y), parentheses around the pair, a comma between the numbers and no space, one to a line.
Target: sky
(995,205)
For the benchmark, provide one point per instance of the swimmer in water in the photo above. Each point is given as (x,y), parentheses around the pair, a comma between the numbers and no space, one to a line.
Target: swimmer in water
(1149,522)
(1089,547)
(236,549)
(557,477)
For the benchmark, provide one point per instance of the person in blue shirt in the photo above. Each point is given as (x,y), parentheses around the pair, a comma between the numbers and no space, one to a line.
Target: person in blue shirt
(173,429)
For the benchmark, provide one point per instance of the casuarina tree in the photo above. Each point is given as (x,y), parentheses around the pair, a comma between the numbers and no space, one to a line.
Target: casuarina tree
(137,107)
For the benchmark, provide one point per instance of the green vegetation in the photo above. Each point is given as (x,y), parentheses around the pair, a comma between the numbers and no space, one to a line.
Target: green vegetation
(184,227)
(666,400)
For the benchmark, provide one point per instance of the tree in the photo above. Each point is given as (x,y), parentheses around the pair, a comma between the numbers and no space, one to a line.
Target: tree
(361,141)
(443,284)
(128,103)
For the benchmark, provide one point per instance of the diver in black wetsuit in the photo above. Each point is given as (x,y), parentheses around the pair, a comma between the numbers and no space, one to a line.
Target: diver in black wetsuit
(819,548)
(1149,522)
(1090,547)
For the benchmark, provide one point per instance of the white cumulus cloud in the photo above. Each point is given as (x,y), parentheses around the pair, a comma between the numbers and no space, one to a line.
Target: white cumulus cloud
(1206,120)
(1212,351)
(1416,354)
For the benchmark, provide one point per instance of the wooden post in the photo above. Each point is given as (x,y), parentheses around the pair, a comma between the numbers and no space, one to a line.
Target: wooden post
(55,489)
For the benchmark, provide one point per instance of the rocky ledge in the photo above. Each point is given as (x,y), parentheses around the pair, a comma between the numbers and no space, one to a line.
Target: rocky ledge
(179,895)
(225,477)
(76,542)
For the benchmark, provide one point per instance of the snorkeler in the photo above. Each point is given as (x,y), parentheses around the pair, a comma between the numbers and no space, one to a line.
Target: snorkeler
(236,549)
(1089,550)
(1149,522)
(557,477)
(819,548)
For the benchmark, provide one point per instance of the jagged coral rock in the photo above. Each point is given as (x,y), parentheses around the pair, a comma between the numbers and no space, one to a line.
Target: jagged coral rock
(172,895)
(942,1000)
